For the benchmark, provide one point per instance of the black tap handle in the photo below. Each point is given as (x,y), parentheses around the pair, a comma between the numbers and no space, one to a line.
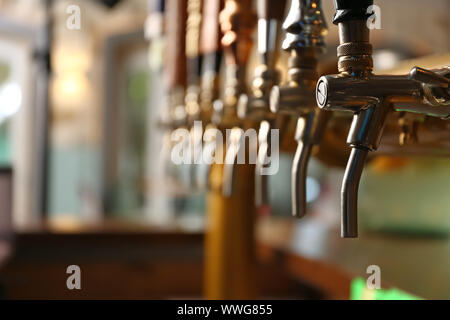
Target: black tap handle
(351,10)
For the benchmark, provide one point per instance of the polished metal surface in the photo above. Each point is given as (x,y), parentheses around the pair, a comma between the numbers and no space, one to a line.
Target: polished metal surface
(255,106)
(305,24)
(305,28)
(372,99)
(349,192)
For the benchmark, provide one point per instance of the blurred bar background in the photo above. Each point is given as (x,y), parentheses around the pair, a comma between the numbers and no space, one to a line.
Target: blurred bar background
(85,177)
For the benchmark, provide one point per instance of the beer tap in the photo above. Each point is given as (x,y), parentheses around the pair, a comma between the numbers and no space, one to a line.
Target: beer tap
(211,51)
(237,21)
(305,28)
(372,98)
(194,62)
(256,106)
(229,238)
(174,115)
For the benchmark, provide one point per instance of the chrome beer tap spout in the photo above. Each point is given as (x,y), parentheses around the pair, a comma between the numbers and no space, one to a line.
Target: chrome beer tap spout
(256,106)
(305,28)
(371,98)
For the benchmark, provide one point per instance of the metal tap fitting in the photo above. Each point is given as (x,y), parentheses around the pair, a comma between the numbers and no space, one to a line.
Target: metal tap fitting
(305,28)
(371,98)
(256,105)
(237,21)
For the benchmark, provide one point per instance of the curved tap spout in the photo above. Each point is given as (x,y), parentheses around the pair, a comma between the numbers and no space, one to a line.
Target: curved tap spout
(298,179)
(263,161)
(349,193)
(309,133)
(371,98)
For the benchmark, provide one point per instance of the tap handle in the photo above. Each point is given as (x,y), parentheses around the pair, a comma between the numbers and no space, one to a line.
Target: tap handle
(210,48)
(304,25)
(210,32)
(270,14)
(429,77)
(271,9)
(256,106)
(193,29)
(237,21)
(175,66)
(347,10)
(305,30)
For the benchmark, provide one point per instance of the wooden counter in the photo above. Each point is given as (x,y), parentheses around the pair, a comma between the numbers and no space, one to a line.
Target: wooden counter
(316,255)
(117,261)
(126,264)
(123,262)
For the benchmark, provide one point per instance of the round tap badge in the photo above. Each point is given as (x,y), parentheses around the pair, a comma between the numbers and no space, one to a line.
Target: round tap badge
(321,93)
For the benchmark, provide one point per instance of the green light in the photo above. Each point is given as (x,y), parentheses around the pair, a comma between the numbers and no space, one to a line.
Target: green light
(359,291)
